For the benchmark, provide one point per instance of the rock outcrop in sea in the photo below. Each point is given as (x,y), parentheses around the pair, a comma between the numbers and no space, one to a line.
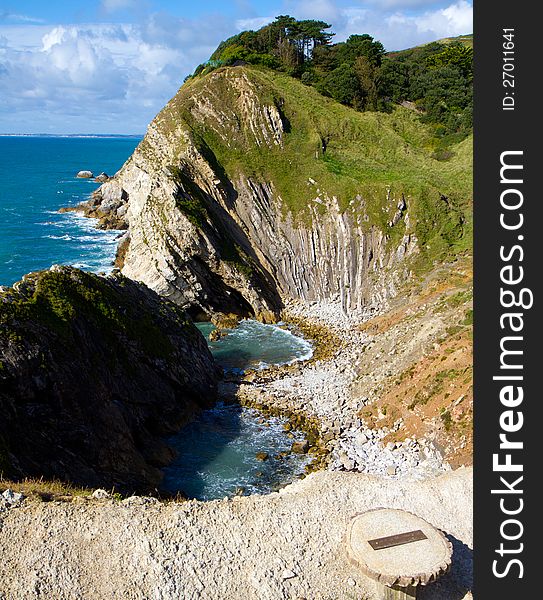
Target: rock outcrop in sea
(94,372)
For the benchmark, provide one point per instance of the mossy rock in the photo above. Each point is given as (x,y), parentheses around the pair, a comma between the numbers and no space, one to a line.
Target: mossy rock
(109,369)
(225,321)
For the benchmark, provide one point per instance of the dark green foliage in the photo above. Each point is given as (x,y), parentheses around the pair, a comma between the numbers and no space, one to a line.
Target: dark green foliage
(235,53)
(341,84)
(286,45)
(58,299)
(326,58)
(454,55)
(436,78)
(348,71)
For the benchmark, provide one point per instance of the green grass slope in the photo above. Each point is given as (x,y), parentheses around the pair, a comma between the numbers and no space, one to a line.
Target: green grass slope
(365,159)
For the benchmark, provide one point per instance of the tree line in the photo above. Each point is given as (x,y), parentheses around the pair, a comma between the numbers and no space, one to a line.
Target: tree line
(435,79)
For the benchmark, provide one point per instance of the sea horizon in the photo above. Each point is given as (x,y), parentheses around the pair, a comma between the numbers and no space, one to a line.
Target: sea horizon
(75,135)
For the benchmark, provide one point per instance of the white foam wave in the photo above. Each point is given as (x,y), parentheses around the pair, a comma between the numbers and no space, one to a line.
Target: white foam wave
(59,237)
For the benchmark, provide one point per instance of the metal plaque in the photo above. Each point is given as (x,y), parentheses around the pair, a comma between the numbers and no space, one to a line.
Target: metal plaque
(397,540)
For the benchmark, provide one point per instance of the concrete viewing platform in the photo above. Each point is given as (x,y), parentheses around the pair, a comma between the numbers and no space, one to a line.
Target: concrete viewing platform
(281,546)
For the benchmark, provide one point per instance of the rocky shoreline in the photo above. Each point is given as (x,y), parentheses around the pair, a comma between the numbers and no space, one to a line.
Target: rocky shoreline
(107,205)
(317,396)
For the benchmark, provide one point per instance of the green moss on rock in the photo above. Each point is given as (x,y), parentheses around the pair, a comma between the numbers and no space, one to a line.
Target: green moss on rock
(96,373)
(58,298)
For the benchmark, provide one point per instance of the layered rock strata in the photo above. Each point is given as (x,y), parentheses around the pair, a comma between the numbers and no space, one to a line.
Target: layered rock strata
(212,239)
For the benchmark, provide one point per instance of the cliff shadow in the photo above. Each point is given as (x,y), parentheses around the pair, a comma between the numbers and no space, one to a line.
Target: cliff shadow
(230,239)
(200,449)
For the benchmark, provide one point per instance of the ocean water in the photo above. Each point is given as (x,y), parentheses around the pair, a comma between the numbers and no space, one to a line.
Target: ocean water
(254,345)
(37,177)
(216,452)
(217,455)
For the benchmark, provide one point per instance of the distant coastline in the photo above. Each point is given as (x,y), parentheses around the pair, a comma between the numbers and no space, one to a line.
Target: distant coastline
(74,135)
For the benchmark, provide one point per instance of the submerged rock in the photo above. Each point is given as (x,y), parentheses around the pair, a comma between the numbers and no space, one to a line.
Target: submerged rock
(216,335)
(300,447)
(94,373)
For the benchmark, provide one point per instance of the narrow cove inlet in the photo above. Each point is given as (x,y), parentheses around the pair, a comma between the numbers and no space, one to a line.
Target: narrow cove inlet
(233,450)
(222,452)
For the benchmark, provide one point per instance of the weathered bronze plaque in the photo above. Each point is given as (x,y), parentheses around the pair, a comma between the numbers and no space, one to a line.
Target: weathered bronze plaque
(397,540)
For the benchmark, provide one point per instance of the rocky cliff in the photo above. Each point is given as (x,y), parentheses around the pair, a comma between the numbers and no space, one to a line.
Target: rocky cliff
(250,190)
(94,372)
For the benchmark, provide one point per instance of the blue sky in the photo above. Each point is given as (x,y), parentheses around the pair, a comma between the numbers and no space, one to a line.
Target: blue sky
(108,66)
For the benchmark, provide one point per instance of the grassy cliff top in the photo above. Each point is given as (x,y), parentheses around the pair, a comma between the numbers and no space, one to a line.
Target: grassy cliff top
(361,147)
(367,160)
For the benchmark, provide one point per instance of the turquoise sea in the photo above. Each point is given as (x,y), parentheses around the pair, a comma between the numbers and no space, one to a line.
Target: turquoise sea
(37,177)
(217,452)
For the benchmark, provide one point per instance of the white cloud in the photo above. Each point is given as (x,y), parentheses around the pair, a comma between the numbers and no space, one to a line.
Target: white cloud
(457,19)
(116,77)
(104,77)
(52,38)
(253,24)
(407,4)
(18,18)
(400,30)
(453,20)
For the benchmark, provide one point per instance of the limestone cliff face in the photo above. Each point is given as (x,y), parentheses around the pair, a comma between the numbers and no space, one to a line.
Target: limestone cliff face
(217,236)
(94,373)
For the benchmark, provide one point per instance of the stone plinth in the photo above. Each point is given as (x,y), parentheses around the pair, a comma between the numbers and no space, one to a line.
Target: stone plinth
(400,566)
